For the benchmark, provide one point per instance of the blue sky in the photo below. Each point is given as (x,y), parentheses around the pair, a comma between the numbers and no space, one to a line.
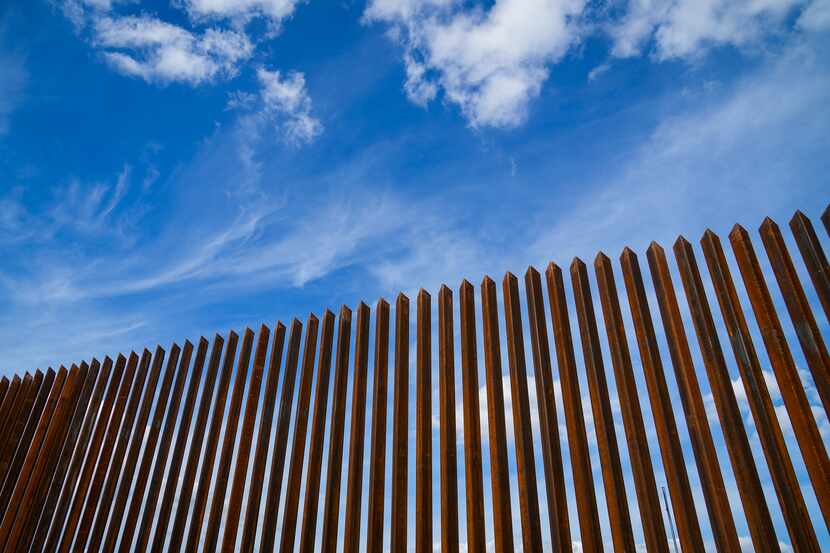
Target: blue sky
(170,169)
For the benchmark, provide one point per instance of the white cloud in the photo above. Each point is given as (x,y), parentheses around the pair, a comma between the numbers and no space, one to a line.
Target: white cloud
(490,63)
(687,28)
(241,11)
(157,51)
(816,16)
(287,97)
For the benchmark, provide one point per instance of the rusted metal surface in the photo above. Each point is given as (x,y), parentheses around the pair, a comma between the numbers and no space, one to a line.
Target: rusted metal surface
(87,533)
(154,486)
(522,426)
(672,454)
(223,470)
(78,435)
(57,501)
(308,529)
(272,499)
(801,315)
(354,484)
(423,425)
(243,454)
(4,387)
(189,476)
(786,374)
(91,457)
(499,477)
(63,426)
(54,412)
(29,405)
(825,218)
(295,467)
(137,495)
(263,442)
(331,508)
(697,422)
(446,410)
(104,537)
(197,519)
(377,468)
(814,258)
(13,387)
(476,540)
(737,444)
(609,454)
(766,424)
(635,433)
(560,532)
(400,427)
(95,466)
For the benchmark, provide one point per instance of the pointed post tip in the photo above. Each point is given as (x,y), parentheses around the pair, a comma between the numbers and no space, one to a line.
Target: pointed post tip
(577,264)
(738,231)
(655,248)
(628,255)
(768,225)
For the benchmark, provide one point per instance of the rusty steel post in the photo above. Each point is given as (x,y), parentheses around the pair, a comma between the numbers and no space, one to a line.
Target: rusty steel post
(374,532)
(197,519)
(766,424)
(813,255)
(423,425)
(89,537)
(446,424)
(560,532)
(33,453)
(4,387)
(243,452)
(786,374)
(8,399)
(63,428)
(476,541)
(331,509)
(522,429)
(616,498)
(801,315)
(104,536)
(138,494)
(154,487)
(272,498)
(223,469)
(57,501)
(19,418)
(295,469)
(308,527)
(825,218)
(499,478)
(189,478)
(97,461)
(400,427)
(263,442)
(635,433)
(708,468)
(76,440)
(683,504)
(29,405)
(737,444)
(354,484)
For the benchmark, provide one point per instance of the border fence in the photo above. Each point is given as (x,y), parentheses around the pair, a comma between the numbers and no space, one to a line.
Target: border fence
(158,452)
